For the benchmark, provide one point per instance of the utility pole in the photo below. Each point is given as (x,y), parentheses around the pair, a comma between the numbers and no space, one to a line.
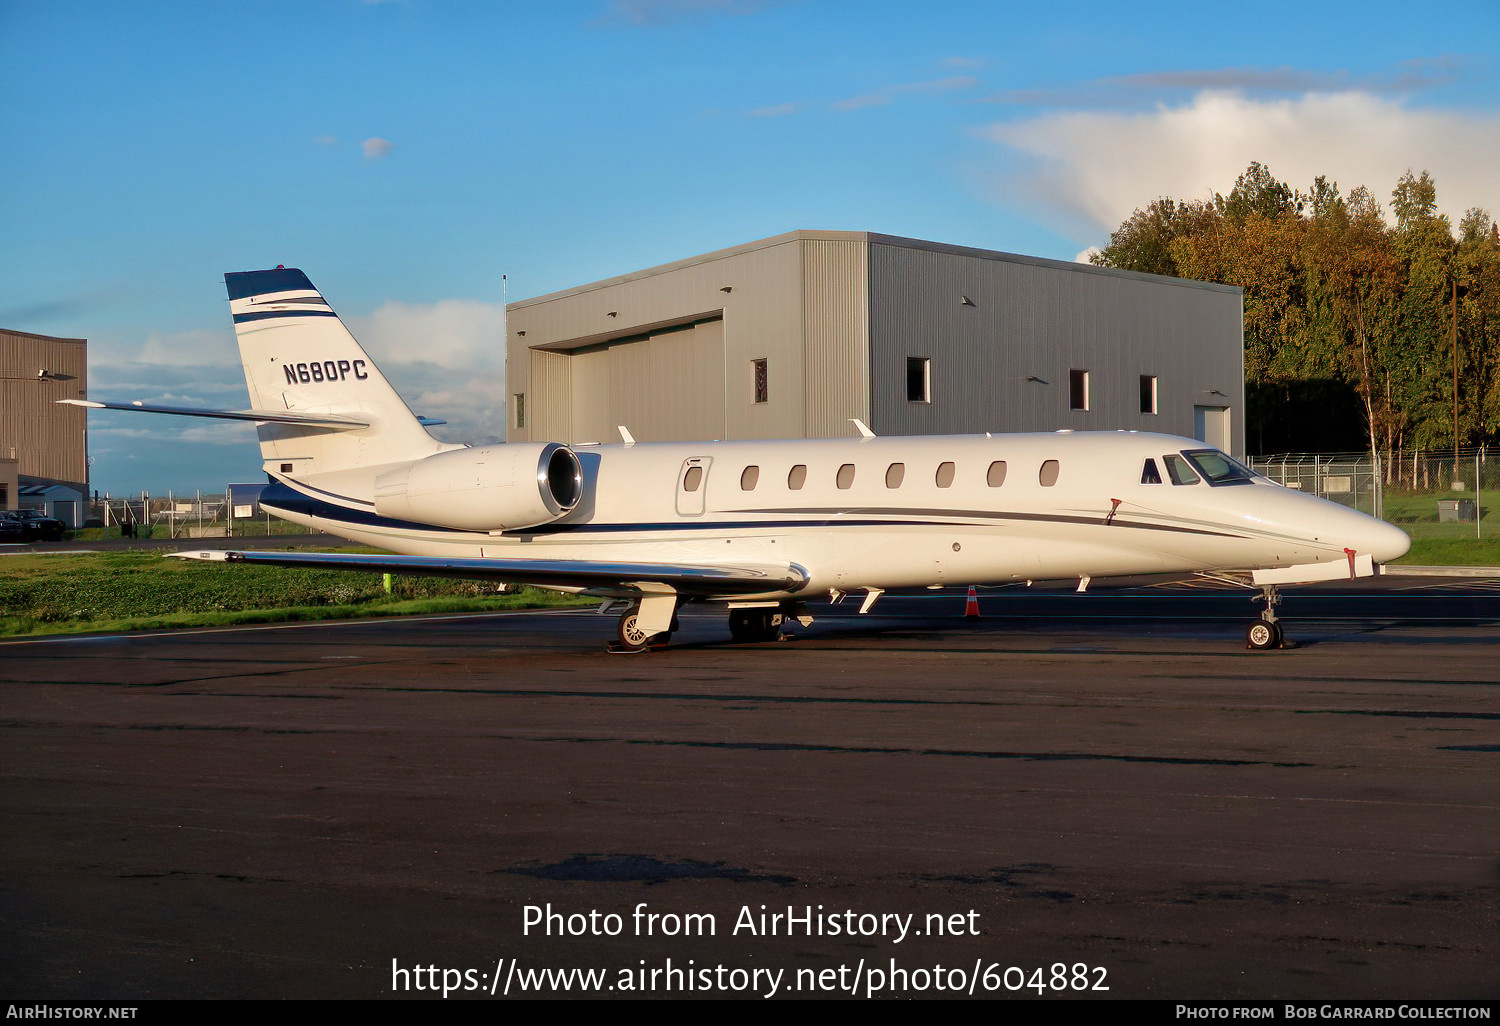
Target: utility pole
(1453,332)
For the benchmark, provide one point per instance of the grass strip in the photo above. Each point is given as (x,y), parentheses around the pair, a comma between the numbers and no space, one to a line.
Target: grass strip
(122,591)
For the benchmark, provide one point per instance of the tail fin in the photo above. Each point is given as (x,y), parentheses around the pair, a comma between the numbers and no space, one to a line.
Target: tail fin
(298,356)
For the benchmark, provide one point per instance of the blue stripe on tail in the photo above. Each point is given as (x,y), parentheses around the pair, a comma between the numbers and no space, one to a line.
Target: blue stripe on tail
(243,284)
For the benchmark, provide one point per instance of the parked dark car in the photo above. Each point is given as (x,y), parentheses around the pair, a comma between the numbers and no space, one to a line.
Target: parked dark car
(35,526)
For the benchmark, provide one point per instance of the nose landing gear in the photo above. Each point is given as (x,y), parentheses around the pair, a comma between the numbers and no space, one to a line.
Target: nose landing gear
(1266,632)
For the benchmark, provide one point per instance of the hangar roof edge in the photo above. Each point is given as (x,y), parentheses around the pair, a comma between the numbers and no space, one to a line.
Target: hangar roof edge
(869,238)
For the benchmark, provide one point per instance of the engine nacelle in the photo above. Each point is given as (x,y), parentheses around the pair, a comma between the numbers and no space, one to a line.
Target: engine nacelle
(490,488)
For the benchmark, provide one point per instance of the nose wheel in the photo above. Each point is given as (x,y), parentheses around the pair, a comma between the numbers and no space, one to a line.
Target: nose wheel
(1263,634)
(1266,632)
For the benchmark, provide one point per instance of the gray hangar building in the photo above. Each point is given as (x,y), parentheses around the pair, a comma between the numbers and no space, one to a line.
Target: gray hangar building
(792,336)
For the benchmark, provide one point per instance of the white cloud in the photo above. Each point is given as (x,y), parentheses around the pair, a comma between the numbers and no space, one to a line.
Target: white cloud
(1093,168)
(376,148)
(888,94)
(1087,255)
(777,111)
(447,359)
(664,12)
(199,348)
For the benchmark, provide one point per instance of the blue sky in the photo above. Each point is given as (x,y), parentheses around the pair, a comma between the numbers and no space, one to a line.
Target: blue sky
(406,154)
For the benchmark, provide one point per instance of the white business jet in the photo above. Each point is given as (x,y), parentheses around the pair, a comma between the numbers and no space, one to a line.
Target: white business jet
(760,526)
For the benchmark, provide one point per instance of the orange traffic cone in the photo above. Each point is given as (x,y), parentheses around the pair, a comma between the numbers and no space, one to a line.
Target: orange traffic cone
(971,605)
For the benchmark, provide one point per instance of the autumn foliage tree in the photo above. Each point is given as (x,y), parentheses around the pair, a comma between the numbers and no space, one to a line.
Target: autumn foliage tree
(1354,325)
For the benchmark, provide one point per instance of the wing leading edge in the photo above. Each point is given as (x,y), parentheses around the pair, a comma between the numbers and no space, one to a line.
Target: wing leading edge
(614,578)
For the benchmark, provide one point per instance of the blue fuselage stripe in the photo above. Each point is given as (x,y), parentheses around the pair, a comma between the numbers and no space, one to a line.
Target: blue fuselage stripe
(280,496)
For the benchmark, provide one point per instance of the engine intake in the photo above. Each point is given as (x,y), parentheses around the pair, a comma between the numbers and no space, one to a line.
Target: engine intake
(491,488)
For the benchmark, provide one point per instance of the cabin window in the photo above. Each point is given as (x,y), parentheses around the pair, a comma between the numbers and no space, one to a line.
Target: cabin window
(1149,473)
(996,476)
(944,476)
(749,478)
(1048,474)
(1078,389)
(798,477)
(845,478)
(762,381)
(519,402)
(1179,471)
(1148,393)
(918,379)
(692,479)
(895,474)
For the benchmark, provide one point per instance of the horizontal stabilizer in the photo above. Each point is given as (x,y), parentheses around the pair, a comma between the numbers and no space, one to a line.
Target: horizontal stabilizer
(326,420)
(559,573)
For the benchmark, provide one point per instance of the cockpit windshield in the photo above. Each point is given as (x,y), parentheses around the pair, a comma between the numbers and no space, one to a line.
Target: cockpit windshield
(1219,469)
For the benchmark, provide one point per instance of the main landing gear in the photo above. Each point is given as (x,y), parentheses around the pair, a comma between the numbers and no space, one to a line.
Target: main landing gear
(747,625)
(1266,632)
(632,636)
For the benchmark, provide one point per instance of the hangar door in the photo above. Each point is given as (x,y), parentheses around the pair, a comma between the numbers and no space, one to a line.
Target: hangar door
(665,386)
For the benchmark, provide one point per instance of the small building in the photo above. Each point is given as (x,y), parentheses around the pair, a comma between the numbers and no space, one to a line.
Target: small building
(792,336)
(43,446)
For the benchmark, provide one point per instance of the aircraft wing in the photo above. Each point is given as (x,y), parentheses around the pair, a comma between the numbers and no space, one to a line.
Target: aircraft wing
(600,577)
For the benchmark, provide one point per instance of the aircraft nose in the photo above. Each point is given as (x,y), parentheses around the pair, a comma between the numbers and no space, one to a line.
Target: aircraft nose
(1384,542)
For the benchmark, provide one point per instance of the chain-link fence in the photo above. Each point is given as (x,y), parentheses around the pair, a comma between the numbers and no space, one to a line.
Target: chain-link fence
(1447,494)
(221,515)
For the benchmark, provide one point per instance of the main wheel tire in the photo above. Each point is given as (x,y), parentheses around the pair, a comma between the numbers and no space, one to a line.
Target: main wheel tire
(1263,634)
(629,632)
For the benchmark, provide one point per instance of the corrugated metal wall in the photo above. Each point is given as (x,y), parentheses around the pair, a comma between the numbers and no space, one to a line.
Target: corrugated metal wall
(549,404)
(835,301)
(1001,360)
(50,441)
(666,386)
(836,315)
(741,305)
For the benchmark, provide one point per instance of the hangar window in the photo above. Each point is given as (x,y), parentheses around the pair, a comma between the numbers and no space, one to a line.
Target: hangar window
(749,478)
(762,381)
(798,477)
(846,476)
(895,474)
(1048,475)
(692,479)
(1148,393)
(1078,389)
(996,476)
(1179,471)
(944,476)
(918,379)
(520,406)
(1149,473)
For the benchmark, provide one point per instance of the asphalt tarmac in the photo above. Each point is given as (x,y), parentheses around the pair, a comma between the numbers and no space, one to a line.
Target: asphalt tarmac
(1070,793)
